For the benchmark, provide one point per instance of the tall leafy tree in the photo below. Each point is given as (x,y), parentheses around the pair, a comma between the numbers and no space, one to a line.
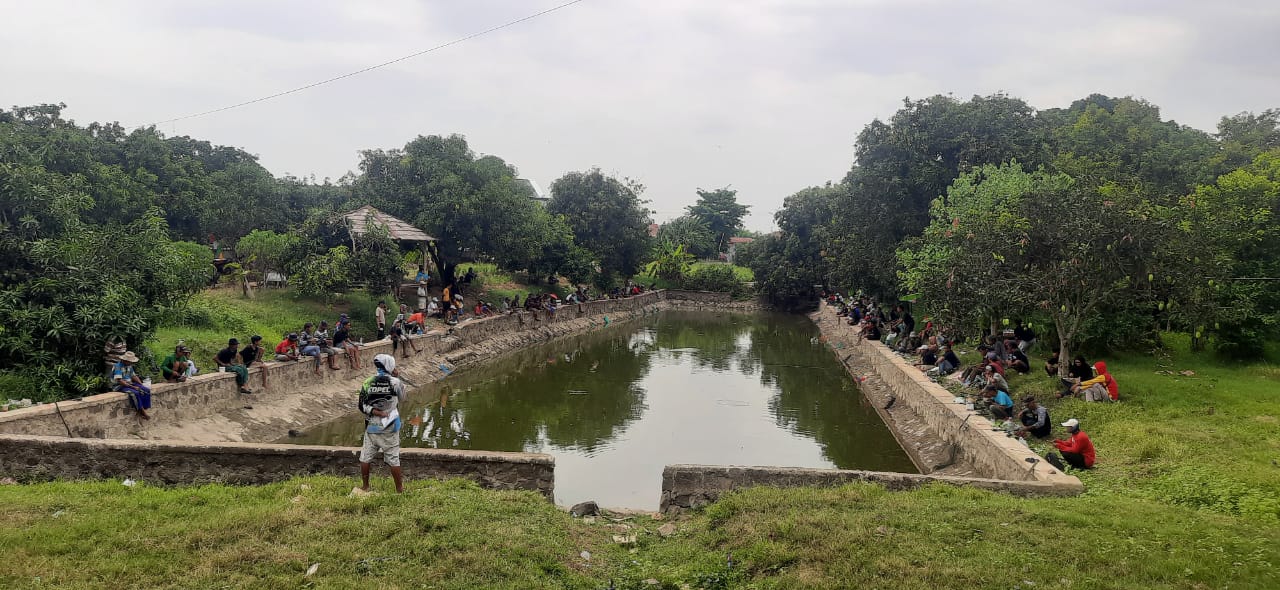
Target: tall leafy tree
(1008,239)
(608,218)
(692,233)
(473,206)
(903,164)
(721,213)
(790,262)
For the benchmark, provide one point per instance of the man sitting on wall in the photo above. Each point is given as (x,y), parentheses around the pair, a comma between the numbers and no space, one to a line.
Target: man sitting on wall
(287,350)
(124,378)
(175,366)
(228,360)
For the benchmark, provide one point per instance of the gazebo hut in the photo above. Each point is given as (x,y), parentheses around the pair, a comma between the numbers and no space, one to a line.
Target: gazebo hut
(358,223)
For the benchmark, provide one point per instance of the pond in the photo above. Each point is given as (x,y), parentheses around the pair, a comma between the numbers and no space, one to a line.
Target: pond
(616,405)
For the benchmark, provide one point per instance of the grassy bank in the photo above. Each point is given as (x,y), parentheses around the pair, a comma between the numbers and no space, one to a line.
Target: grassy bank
(1185,496)
(213,316)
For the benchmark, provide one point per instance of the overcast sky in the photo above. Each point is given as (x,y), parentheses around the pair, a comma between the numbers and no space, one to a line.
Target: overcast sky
(765,96)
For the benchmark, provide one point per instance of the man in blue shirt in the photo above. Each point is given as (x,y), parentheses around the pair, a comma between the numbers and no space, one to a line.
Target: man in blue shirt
(999,402)
(124,378)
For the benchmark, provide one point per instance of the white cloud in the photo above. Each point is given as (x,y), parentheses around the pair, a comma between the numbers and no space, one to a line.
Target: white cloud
(763,95)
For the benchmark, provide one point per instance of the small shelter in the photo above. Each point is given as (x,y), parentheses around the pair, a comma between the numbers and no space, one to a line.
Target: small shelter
(358,224)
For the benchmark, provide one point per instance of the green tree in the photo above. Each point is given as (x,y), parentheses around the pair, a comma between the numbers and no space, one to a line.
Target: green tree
(721,213)
(264,250)
(1005,239)
(1227,251)
(608,219)
(791,262)
(903,164)
(473,206)
(692,233)
(963,266)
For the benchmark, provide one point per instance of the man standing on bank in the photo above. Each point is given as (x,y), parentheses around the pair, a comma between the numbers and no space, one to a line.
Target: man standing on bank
(380,396)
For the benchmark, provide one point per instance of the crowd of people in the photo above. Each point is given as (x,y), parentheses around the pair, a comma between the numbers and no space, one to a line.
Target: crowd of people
(985,383)
(324,346)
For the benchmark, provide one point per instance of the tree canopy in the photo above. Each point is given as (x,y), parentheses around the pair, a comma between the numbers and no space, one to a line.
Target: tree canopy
(608,219)
(1102,218)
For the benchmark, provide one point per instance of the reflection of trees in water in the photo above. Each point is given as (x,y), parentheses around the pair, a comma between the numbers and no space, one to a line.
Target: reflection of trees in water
(531,398)
(816,398)
(710,341)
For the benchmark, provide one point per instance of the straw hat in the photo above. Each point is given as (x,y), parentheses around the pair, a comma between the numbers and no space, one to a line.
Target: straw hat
(129,357)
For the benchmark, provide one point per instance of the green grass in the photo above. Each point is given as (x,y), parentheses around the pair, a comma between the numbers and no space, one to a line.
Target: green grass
(494,284)
(441,535)
(1186,494)
(211,317)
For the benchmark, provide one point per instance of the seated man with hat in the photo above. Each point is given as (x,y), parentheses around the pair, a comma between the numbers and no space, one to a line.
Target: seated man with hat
(176,367)
(125,379)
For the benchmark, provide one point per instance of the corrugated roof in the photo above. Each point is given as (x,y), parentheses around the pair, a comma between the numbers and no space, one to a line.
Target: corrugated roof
(737,240)
(358,221)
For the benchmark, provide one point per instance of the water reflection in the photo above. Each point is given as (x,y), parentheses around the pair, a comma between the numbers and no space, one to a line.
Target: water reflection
(616,405)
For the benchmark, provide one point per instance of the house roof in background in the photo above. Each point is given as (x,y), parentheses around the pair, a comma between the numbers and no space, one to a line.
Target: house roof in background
(738,240)
(358,221)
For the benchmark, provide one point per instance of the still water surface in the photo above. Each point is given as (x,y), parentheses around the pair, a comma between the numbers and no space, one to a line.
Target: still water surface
(616,405)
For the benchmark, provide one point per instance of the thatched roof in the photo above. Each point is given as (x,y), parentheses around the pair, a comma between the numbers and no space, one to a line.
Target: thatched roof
(358,222)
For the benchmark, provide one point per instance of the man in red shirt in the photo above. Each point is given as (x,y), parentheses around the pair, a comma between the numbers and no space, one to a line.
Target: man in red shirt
(1077,451)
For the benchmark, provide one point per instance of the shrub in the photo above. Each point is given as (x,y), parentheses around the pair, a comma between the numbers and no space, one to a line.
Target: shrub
(324,275)
(714,277)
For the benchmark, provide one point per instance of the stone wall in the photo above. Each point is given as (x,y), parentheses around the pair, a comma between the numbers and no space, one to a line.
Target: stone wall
(30,458)
(991,454)
(108,415)
(686,487)
(698,296)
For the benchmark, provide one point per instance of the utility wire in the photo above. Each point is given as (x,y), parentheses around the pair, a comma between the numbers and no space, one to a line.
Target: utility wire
(368,69)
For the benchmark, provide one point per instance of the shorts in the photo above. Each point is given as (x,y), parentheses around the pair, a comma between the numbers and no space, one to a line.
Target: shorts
(387,443)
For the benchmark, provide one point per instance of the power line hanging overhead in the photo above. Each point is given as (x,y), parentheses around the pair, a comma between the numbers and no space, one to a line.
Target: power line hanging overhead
(364,70)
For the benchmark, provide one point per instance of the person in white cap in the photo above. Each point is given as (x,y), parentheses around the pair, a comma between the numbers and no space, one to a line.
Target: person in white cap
(380,396)
(1077,450)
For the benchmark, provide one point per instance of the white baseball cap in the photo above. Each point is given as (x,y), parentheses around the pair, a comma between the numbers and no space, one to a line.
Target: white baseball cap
(1072,423)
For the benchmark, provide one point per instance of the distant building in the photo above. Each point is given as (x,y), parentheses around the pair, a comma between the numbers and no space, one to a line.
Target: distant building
(733,247)
(653,230)
(535,191)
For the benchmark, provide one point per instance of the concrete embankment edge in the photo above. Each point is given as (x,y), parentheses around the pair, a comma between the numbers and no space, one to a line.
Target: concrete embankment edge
(99,436)
(991,454)
(689,487)
(999,463)
(34,458)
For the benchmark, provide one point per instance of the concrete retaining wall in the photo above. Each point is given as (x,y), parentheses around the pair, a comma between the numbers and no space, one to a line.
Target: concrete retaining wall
(991,454)
(108,415)
(686,487)
(44,458)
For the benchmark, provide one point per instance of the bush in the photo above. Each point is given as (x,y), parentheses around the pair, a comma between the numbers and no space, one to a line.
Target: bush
(714,277)
(324,275)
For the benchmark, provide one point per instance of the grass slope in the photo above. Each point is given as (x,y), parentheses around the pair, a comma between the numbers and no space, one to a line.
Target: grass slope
(1186,495)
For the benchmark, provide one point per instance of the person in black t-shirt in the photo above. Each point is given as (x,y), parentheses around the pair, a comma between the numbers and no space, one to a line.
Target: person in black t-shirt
(253,354)
(1018,360)
(228,360)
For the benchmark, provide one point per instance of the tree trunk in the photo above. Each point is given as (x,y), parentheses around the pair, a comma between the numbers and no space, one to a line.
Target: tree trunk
(1064,347)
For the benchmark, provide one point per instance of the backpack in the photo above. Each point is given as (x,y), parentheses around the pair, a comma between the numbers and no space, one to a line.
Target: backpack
(376,392)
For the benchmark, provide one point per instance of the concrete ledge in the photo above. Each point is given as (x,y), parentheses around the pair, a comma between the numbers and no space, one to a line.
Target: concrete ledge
(169,462)
(992,454)
(687,487)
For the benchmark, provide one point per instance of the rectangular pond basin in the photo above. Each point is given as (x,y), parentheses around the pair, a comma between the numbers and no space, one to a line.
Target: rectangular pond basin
(616,405)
